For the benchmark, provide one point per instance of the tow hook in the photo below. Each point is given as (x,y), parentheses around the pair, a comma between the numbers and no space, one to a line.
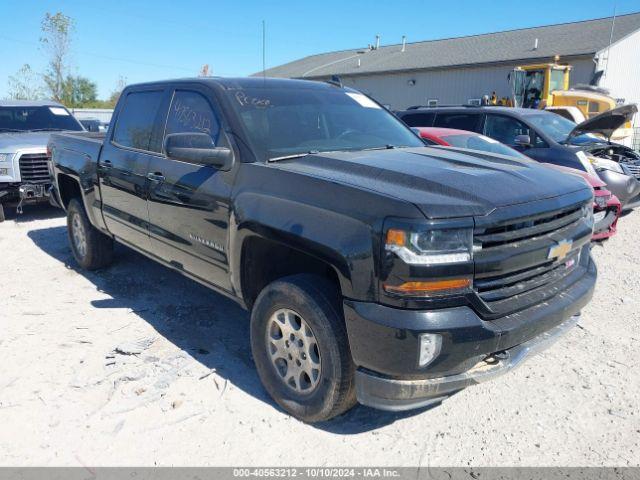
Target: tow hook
(497,357)
(29,192)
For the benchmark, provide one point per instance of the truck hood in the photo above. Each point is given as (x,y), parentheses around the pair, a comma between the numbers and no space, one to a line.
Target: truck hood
(442,183)
(606,123)
(10,142)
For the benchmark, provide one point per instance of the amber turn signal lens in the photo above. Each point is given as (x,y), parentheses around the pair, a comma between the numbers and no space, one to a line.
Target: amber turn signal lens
(396,237)
(426,288)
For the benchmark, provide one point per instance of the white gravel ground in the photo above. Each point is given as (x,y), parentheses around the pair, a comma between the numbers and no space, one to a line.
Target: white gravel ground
(191,395)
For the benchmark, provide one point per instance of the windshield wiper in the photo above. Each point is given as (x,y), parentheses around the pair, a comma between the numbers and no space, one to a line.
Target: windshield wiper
(12,130)
(386,147)
(292,156)
(312,152)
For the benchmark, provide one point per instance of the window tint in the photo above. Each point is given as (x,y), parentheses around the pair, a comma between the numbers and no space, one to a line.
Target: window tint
(504,129)
(419,119)
(190,112)
(289,121)
(136,120)
(461,121)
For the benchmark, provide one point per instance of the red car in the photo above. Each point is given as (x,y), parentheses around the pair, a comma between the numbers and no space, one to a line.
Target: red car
(606,206)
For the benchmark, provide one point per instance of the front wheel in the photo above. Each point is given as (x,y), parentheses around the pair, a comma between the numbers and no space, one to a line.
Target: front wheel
(300,348)
(91,248)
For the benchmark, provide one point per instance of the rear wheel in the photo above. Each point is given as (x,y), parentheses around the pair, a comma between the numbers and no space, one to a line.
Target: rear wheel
(299,344)
(91,248)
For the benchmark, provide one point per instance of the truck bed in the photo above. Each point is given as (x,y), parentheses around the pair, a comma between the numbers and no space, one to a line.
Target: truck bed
(76,150)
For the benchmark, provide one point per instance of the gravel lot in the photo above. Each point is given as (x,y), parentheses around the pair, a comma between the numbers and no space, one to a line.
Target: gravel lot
(71,395)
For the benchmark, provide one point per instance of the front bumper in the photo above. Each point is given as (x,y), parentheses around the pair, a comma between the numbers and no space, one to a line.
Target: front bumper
(606,227)
(25,192)
(384,345)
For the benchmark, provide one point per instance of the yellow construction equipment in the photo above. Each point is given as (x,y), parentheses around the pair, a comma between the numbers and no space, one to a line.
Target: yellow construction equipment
(546,86)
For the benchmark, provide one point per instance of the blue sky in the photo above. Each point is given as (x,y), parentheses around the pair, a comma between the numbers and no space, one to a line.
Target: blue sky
(150,40)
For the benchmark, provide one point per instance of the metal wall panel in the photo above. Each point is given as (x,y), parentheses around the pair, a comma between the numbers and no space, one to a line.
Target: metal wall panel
(449,86)
(621,64)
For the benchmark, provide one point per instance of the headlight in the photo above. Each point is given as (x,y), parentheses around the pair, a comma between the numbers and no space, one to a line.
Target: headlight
(431,247)
(5,157)
(587,213)
(586,163)
(602,200)
(604,164)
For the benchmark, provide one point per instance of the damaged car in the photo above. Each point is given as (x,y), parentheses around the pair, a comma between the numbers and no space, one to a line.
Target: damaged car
(25,127)
(550,138)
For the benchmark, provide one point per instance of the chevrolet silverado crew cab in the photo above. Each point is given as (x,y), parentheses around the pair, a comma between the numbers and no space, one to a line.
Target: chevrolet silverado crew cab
(376,269)
(25,127)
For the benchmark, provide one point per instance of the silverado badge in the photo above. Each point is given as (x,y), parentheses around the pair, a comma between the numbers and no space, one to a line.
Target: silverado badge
(560,250)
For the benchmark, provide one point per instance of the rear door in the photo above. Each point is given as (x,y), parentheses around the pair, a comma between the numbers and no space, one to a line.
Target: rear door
(189,203)
(124,163)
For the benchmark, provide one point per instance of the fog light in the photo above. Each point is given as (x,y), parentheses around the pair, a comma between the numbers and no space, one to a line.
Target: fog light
(430,344)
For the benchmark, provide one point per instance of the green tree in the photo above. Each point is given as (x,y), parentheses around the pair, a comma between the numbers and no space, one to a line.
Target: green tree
(56,41)
(24,85)
(78,92)
(115,94)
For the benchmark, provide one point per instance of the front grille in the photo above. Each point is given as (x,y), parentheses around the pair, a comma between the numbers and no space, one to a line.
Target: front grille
(34,168)
(633,169)
(526,228)
(502,287)
(513,268)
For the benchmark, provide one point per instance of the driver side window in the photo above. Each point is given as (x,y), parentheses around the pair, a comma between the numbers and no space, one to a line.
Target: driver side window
(190,112)
(505,129)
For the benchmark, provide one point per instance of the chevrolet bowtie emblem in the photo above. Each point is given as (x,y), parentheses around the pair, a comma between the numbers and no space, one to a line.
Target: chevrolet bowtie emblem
(560,250)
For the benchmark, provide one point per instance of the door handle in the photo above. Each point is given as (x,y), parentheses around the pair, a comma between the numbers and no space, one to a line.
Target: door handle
(156,177)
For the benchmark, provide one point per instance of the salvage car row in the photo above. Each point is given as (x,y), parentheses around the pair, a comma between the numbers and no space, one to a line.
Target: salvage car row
(376,268)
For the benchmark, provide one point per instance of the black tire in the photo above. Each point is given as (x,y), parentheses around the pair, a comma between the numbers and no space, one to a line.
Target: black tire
(317,301)
(99,247)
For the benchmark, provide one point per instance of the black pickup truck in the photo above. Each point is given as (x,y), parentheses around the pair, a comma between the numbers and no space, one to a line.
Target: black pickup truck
(376,269)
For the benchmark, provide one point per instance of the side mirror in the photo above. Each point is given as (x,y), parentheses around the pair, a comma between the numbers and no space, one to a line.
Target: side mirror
(522,141)
(197,148)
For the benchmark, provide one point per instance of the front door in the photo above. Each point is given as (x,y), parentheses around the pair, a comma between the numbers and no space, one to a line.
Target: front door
(189,203)
(123,167)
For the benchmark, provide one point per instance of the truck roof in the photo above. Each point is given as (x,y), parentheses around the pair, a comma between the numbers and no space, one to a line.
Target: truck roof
(472,108)
(29,103)
(245,82)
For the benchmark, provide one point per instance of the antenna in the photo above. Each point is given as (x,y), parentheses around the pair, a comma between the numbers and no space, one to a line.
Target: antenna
(264,49)
(613,25)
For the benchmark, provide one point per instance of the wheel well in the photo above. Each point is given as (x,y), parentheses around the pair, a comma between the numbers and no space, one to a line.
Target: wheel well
(264,261)
(69,189)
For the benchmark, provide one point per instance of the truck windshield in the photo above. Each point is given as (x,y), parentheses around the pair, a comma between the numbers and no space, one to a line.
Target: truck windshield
(287,121)
(26,119)
(559,128)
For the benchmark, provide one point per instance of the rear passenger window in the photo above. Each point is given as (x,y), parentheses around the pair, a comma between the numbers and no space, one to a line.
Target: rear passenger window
(419,119)
(461,121)
(135,122)
(190,112)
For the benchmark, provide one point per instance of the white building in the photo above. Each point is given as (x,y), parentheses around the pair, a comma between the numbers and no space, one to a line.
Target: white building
(458,70)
